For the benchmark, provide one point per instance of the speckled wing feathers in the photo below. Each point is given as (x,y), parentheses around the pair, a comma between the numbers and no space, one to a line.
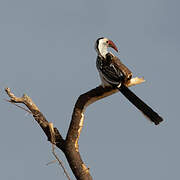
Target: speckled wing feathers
(113,70)
(126,72)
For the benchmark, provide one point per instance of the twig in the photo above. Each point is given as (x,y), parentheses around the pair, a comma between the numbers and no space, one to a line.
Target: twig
(18,106)
(53,149)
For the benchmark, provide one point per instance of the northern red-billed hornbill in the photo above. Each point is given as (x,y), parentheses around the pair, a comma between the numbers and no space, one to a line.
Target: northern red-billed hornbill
(114,73)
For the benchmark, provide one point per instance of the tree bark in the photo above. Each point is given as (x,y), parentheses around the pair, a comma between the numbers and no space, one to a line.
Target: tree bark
(69,145)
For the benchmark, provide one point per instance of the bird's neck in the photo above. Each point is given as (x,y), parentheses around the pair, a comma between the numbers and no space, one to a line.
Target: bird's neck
(102,51)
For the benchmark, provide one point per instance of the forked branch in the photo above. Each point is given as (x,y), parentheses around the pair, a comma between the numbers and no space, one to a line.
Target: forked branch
(70,145)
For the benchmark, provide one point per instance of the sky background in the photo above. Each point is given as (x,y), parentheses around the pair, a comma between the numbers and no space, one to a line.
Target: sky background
(47,51)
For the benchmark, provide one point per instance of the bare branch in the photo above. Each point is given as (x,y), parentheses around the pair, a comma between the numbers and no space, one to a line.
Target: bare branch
(77,120)
(38,116)
(53,149)
(70,145)
(135,81)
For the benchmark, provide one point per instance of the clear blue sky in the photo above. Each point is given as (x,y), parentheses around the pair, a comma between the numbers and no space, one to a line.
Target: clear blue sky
(47,51)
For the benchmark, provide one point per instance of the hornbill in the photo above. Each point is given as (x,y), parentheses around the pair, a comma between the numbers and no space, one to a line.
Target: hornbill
(114,73)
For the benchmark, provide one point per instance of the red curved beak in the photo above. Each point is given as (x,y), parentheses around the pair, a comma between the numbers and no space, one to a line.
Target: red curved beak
(112,45)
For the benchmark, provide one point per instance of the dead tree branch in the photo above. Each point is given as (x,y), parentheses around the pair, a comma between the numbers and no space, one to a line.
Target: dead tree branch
(51,128)
(70,145)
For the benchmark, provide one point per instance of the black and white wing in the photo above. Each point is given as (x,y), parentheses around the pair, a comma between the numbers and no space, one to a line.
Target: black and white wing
(112,70)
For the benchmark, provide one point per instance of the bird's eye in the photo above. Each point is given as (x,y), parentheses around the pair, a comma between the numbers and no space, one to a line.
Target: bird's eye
(107,41)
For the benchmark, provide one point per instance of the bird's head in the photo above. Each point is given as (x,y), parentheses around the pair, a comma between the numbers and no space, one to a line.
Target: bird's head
(102,45)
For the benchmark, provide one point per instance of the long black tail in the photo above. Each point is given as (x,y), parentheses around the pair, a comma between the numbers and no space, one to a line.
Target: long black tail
(144,108)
